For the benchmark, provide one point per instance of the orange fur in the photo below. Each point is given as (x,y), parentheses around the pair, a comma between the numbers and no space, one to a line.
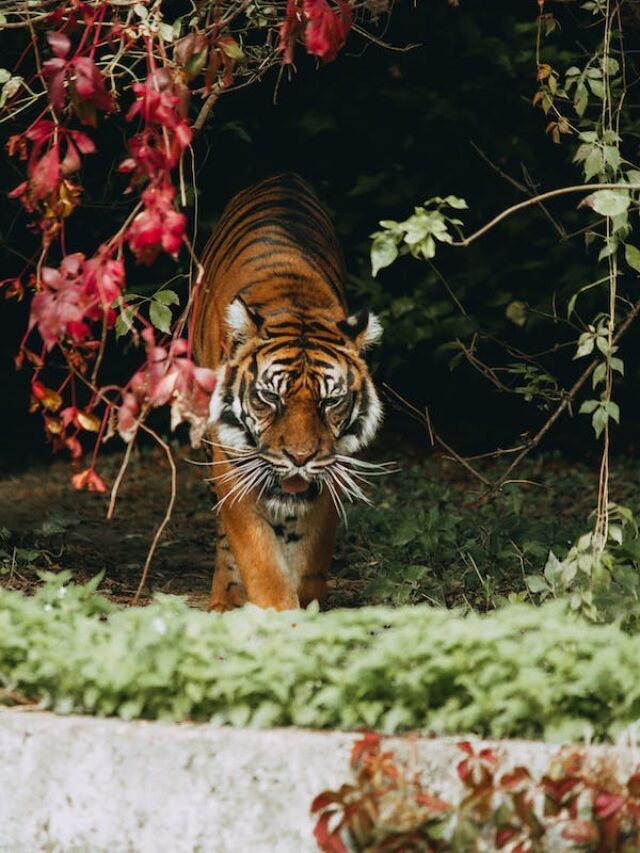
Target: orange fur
(292,391)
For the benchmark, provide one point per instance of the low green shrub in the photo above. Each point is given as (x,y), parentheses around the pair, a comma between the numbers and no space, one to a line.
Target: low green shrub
(519,671)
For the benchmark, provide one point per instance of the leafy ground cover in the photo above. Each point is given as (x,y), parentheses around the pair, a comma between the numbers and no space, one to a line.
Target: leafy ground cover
(516,671)
(430,535)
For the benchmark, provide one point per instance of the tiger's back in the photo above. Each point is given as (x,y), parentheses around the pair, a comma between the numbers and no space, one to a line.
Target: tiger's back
(293,398)
(276,248)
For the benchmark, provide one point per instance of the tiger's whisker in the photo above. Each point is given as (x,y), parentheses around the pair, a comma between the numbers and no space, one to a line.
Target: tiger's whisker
(340,510)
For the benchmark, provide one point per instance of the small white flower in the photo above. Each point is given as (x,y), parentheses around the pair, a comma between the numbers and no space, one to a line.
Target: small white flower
(159,625)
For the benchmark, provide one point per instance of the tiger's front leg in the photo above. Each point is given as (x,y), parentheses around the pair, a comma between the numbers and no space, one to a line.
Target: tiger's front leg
(306,540)
(227,588)
(258,560)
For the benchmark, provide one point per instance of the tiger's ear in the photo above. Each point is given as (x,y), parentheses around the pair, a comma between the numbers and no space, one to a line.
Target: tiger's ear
(243,322)
(363,328)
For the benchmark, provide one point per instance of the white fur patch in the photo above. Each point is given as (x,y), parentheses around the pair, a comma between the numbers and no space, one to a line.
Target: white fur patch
(239,321)
(373,332)
(215,404)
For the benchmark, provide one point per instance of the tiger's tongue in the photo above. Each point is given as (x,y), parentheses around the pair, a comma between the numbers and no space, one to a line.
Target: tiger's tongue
(294,485)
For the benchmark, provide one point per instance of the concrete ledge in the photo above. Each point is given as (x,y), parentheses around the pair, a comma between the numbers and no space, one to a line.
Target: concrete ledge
(76,784)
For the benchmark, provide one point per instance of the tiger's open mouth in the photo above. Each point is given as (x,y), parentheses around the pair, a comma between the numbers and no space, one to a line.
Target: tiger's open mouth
(295,487)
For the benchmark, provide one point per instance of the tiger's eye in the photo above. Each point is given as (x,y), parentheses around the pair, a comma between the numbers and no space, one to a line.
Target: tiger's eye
(269,397)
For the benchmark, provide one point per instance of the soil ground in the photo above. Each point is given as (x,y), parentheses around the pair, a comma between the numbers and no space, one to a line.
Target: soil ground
(429,536)
(69,529)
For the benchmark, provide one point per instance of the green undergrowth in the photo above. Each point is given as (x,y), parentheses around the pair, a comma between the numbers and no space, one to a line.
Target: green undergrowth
(432,535)
(519,671)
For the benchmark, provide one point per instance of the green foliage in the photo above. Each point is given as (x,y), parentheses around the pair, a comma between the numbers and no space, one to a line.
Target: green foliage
(518,671)
(417,235)
(448,546)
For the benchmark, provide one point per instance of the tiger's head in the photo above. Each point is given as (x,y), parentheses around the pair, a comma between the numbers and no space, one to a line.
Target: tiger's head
(293,402)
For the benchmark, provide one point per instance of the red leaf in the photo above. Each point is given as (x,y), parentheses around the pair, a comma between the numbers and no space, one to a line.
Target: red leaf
(323,800)
(514,779)
(633,784)
(328,841)
(368,745)
(90,480)
(606,805)
(71,161)
(504,836)
(59,43)
(580,831)
(45,175)
(90,85)
(326,31)
(55,72)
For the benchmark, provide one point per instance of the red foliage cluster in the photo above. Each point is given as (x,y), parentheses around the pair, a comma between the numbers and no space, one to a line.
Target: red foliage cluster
(168,376)
(323,28)
(579,802)
(85,84)
(75,295)
(105,59)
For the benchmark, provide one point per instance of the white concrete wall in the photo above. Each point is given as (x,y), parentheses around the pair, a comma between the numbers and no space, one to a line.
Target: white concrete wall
(75,784)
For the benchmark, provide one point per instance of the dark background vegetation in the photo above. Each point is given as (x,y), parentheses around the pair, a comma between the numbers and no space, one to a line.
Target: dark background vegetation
(377,132)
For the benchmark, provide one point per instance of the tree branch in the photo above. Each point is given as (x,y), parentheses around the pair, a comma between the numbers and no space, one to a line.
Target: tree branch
(538,199)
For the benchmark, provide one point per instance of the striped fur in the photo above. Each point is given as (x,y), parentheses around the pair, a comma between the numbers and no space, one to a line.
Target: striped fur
(293,400)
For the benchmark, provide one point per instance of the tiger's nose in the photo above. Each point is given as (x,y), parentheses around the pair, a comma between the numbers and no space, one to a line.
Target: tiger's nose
(300,457)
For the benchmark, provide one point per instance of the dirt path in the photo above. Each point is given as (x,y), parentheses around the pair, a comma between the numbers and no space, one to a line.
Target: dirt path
(70,528)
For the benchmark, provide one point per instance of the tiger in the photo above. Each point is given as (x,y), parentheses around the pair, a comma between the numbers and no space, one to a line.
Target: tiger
(293,399)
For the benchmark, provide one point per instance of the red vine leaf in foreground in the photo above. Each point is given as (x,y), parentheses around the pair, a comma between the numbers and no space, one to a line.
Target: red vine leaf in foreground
(169,375)
(387,807)
(159,227)
(90,480)
(323,28)
(86,84)
(76,294)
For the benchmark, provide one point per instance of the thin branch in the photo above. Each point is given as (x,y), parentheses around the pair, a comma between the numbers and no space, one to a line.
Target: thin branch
(168,511)
(580,188)
(206,108)
(425,418)
(568,399)
(118,480)
(528,189)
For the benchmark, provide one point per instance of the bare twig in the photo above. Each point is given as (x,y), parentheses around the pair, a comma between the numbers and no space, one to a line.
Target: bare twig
(206,108)
(167,515)
(425,418)
(580,188)
(118,480)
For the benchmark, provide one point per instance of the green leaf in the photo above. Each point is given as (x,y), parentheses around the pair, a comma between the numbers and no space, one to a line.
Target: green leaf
(160,315)
(456,203)
(586,343)
(517,312)
(613,410)
(588,407)
(537,584)
(124,321)
(384,251)
(610,202)
(594,163)
(599,375)
(581,99)
(597,87)
(599,420)
(167,297)
(632,257)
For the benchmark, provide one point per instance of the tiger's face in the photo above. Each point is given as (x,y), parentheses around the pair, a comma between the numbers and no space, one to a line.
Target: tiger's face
(293,402)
